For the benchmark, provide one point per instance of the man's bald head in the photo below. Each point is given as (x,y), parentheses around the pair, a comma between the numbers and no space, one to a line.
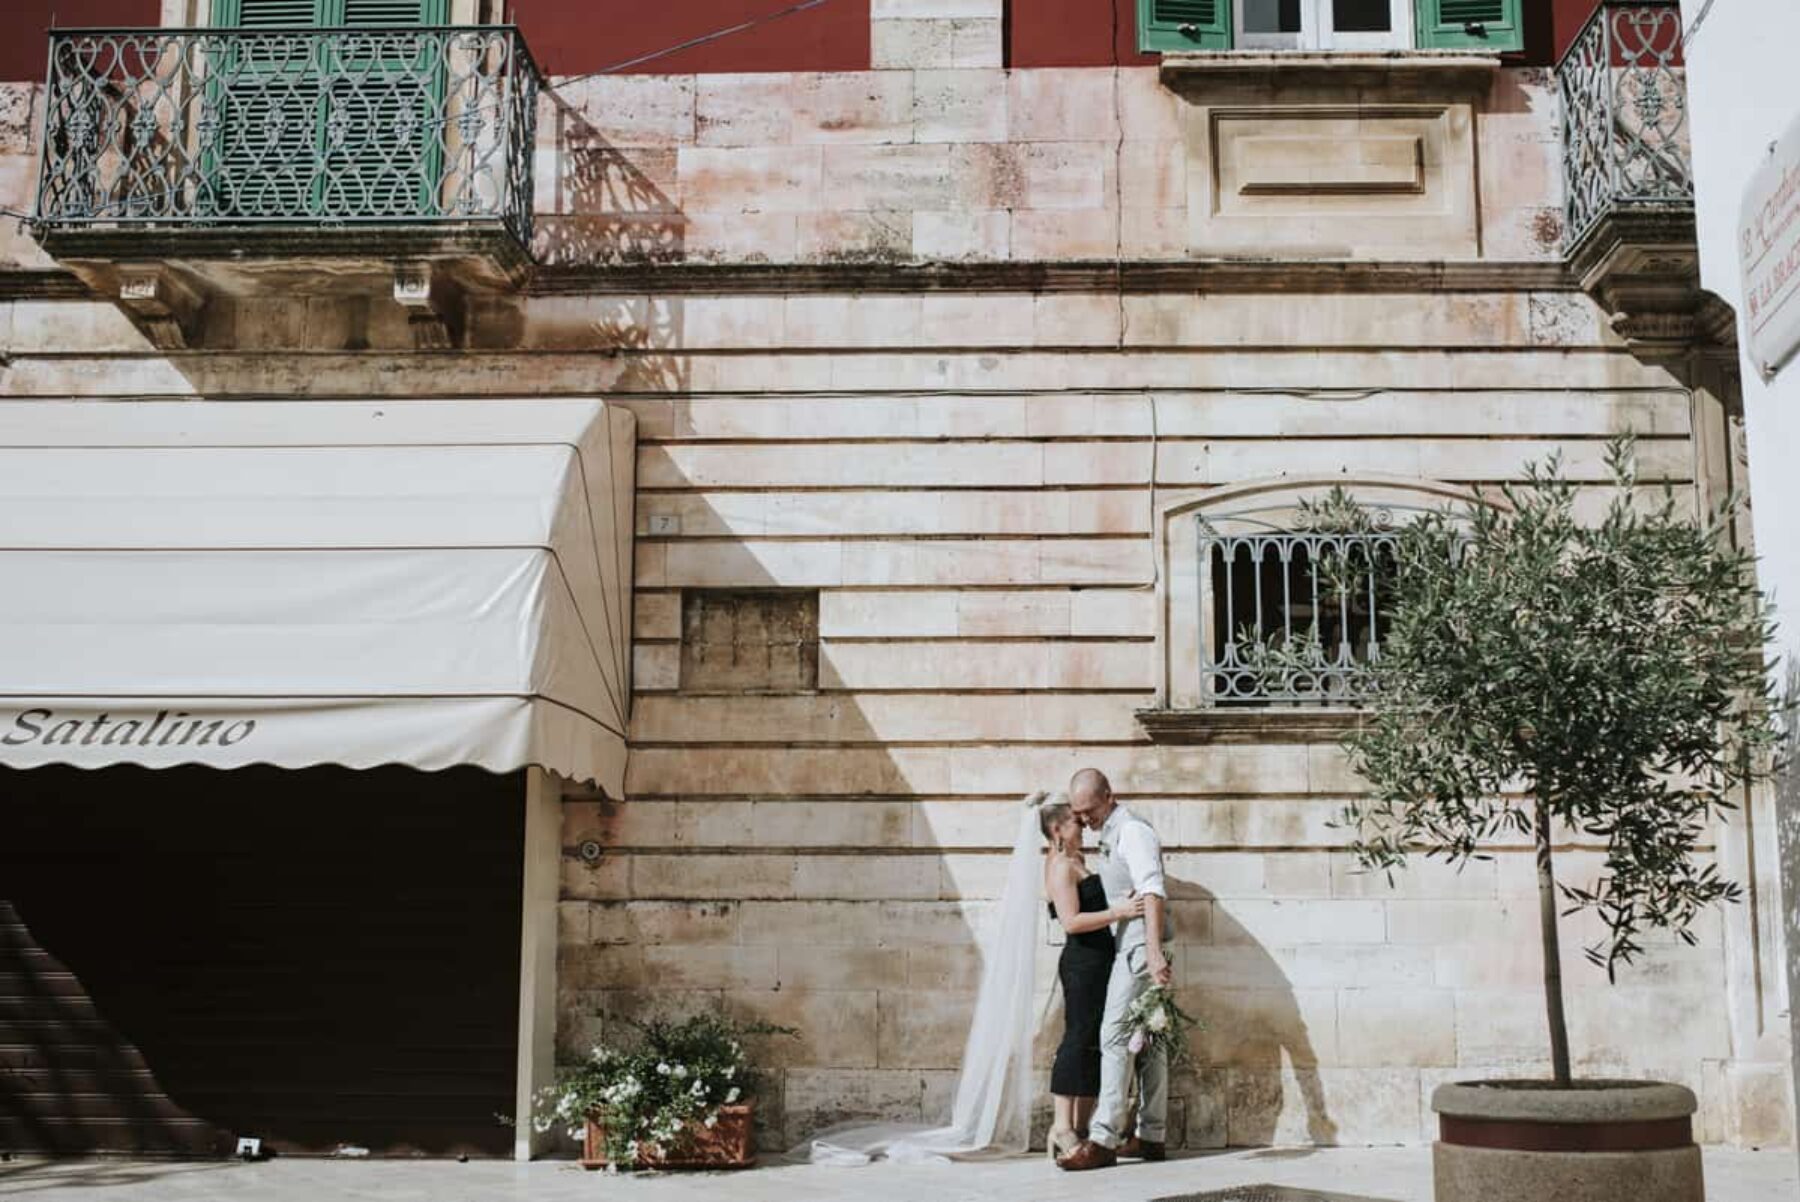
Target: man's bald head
(1091,797)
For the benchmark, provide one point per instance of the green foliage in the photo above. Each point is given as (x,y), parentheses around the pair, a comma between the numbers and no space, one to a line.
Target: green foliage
(673,1075)
(1337,512)
(1613,671)
(1353,563)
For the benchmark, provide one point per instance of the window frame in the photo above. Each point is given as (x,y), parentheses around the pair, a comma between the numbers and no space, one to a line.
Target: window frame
(1184,614)
(1316,31)
(1229,676)
(1417,24)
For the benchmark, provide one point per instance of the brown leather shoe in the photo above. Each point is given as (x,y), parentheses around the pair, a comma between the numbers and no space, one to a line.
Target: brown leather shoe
(1088,1155)
(1143,1149)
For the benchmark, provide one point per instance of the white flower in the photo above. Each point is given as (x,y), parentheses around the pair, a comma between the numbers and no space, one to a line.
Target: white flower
(663,1069)
(680,1070)
(1158,1020)
(730,1071)
(732,1096)
(712,1120)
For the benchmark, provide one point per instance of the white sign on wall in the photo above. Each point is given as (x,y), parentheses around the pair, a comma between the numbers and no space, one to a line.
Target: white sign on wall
(1769,254)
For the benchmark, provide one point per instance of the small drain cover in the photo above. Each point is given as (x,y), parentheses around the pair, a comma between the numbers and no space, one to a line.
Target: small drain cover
(1267,1193)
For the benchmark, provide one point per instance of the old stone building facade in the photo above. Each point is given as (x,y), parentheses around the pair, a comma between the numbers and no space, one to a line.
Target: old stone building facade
(941,366)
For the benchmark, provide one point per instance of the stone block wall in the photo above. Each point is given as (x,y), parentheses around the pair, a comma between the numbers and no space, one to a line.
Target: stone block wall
(970,489)
(952,160)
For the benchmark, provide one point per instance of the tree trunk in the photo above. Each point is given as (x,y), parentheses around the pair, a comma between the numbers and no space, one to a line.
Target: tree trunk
(1553,992)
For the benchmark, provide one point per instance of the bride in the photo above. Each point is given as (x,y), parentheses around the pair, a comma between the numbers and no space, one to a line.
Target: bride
(991,1111)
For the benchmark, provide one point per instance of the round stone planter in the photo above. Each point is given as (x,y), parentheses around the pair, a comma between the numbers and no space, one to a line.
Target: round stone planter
(1595,1141)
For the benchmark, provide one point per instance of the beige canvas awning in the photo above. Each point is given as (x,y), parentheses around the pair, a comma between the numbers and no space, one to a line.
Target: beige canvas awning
(429,583)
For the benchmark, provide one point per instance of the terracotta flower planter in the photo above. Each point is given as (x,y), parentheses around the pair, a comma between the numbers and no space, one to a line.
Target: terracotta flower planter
(1597,1141)
(725,1145)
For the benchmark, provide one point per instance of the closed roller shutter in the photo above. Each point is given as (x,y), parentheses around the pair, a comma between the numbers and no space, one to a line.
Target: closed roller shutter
(319,958)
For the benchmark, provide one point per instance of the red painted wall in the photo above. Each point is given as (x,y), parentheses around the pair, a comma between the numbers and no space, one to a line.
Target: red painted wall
(1567,18)
(575,36)
(24,49)
(1073,33)
(569,37)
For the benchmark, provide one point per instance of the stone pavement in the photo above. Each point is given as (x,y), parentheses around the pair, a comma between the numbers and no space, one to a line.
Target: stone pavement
(1336,1174)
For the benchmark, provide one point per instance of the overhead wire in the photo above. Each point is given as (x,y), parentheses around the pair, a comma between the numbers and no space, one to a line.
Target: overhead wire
(703,39)
(689,44)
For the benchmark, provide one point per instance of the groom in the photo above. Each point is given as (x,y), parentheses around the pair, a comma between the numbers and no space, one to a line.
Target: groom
(1131,859)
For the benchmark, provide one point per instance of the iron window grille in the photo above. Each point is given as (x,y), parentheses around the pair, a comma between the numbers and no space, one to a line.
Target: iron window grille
(289,127)
(1293,616)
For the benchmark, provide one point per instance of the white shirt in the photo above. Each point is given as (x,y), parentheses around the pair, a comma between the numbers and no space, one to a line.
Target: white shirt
(1133,841)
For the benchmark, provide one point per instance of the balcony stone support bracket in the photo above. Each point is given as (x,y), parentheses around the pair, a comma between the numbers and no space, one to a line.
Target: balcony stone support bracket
(166,307)
(301,247)
(434,305)
(1642,266)
(177,285)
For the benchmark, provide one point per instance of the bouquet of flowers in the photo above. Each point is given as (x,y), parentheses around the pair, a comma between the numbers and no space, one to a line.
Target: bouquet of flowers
(677,1074)
(1157,1019)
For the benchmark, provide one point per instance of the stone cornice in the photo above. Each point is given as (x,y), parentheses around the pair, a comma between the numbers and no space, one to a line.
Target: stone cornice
(1231,724)
(1229,75)
(1196,275)
(42,284)
(1184,275)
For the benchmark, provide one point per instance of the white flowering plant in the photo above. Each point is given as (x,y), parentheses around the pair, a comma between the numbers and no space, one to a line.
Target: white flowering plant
(673,1076)
(1155,1018)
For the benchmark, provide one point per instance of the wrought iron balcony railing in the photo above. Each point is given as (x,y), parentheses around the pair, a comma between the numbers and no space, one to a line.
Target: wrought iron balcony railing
(288,127)
(1624,115)
(1292,617)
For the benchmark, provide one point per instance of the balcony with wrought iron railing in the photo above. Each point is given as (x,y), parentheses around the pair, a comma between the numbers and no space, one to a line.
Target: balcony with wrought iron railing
(193,145)
(1628,180)
(1624,114)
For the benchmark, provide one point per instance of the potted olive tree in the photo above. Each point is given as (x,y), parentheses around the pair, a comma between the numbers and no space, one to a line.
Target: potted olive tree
(1540,674)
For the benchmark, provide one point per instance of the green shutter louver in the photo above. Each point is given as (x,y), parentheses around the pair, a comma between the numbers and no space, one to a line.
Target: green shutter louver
(392,13)
(1173,25)
(269,14)
(1471,24)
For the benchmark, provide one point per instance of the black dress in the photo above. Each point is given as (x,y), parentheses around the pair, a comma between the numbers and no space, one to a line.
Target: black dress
(1084,969)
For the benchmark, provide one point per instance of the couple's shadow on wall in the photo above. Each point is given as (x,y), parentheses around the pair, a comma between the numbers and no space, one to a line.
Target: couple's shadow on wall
(1254,1077)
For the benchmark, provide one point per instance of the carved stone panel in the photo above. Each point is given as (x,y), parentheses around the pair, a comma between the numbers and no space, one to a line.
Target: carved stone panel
(1333,181)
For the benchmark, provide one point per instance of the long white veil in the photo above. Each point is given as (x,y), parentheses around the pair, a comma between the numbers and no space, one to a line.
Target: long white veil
(991,1114)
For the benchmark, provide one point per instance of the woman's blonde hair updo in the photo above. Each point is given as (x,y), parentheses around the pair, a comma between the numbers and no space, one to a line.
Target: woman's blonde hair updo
(1053,810)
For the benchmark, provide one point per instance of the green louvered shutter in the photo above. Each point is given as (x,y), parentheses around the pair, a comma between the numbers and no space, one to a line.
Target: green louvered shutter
(259,161)
(1184,25)
(1471,24)
(389,113)
(309,133)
